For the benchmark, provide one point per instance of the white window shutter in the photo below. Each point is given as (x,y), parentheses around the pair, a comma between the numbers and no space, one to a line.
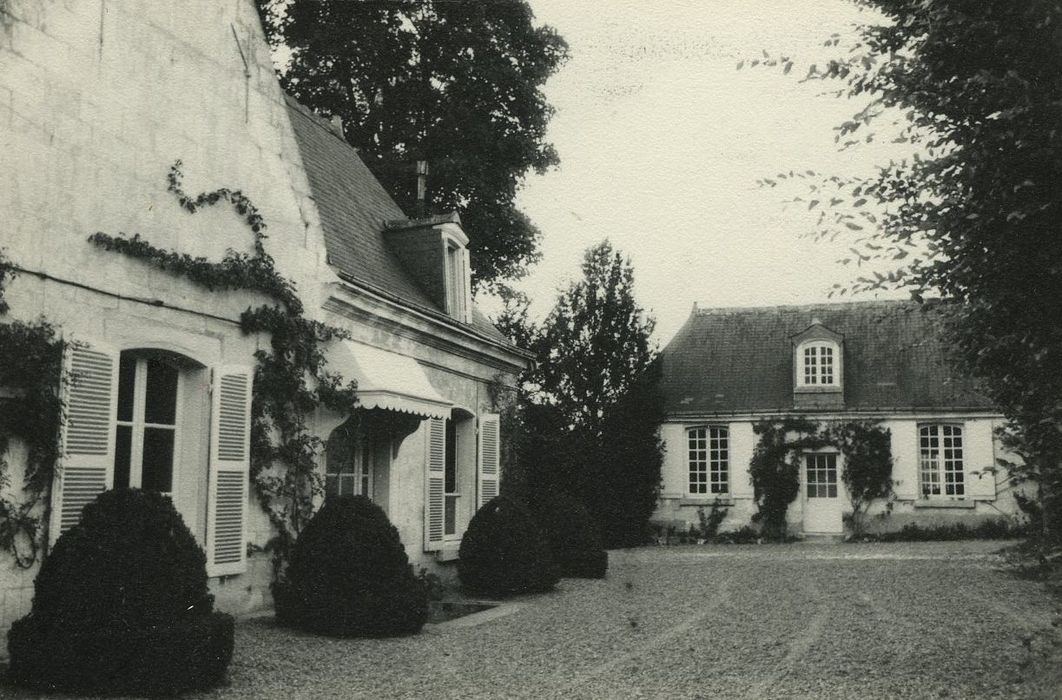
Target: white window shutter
(982,486)
(434,484)
(86,467)
(230,461)
(980,453)
(489,457)
(906,464)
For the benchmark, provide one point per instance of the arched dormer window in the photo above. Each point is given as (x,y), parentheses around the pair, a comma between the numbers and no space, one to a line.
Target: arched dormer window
(818,367)
(818,364)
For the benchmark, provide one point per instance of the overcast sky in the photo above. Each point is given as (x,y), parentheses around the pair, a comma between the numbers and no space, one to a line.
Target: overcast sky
(662,140)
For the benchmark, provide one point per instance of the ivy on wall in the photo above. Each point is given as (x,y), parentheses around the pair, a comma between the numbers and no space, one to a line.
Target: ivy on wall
(777,460)
(291,378)
(31,369)
(867,472)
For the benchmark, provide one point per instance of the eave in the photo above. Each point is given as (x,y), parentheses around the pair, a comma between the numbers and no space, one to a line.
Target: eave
(359,301)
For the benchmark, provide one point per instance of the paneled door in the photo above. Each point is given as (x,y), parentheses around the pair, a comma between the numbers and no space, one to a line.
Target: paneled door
(822,495)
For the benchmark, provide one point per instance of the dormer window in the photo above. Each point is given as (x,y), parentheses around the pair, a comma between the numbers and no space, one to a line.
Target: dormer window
(435,252)
(457,281)
(819,365)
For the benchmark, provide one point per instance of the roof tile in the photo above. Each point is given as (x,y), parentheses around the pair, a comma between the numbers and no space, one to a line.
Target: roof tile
(354,209)
(741,359)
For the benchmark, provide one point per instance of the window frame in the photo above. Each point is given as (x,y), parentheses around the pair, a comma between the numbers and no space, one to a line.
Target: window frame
(451,462)
(938,464)
(813,456)
(363,469)
(455,271)
(138,423)
(819,346)
(715,468)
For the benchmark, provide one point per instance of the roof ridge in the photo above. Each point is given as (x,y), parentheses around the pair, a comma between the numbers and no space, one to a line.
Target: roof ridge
(319,121)
(720,310)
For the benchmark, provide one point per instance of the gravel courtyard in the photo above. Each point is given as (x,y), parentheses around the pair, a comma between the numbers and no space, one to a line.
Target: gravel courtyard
(774,621)
(822,621)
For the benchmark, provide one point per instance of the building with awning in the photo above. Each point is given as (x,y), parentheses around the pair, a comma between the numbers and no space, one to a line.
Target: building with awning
(433,373)
(165,374)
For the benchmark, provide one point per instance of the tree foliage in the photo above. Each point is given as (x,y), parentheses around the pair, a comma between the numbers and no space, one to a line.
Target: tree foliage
(592,405)
(596,342)
(454,83)
(974,217)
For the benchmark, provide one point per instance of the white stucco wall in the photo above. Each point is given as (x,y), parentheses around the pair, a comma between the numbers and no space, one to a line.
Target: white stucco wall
(986,495)
(98,99)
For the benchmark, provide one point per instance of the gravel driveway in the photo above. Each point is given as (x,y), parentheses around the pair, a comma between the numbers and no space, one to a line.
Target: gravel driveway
(772,621)
(822,621)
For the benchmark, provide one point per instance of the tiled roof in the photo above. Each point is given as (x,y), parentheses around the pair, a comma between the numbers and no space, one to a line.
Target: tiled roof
(741,359)
(354,207)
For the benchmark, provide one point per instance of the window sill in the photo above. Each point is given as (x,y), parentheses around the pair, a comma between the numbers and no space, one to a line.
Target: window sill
(932,503)
(449,552)
(818,389)
(701,501)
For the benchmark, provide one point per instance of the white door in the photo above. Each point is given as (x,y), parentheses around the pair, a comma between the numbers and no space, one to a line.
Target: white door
(822,502)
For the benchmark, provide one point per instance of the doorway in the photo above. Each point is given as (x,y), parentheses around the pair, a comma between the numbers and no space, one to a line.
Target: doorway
(823,510)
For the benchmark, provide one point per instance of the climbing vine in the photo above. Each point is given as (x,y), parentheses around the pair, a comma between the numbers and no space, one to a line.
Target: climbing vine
(776,462)
(867,472)
(775,468)
(291,378)
(31,369)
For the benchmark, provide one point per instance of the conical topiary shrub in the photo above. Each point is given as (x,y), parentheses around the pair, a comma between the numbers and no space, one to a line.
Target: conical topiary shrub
(574,536)
(504,552)
(121,607)
(349,575)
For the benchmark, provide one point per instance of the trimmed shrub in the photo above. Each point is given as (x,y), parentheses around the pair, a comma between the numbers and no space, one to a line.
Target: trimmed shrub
(349,575)
(123,597)
(504,552)
(574,536)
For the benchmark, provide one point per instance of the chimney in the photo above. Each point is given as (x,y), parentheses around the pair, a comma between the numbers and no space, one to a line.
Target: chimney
(337,125)
(422,188)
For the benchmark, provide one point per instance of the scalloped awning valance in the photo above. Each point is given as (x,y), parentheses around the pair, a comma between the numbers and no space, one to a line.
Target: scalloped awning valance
(387,380)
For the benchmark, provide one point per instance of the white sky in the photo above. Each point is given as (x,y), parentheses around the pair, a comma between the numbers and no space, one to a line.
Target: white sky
(662,140)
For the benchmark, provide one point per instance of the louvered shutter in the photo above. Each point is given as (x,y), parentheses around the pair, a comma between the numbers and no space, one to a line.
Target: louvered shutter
(434,483)
(489,457)
(230,460)
(90,397)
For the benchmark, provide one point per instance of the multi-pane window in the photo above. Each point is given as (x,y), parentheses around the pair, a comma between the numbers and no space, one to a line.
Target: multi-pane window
(821,478)
(941,460)
(349,468)
(819,365)
(146,422)
(709,460)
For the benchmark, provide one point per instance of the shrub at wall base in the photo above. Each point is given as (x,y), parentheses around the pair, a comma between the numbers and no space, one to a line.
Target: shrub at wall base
(573,535)
(349,575)
(503,552)
(121,607)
